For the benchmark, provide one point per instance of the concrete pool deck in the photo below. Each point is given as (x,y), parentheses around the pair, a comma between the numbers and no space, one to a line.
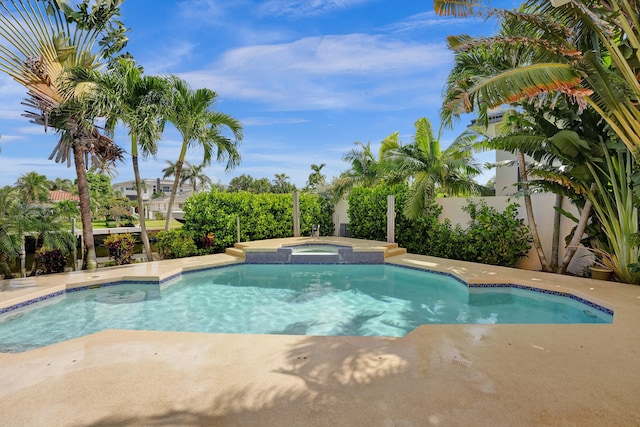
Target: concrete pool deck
(440,375)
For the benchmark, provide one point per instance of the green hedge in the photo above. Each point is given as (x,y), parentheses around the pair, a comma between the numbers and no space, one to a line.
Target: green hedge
(175,244)
(491,237)
(262,216)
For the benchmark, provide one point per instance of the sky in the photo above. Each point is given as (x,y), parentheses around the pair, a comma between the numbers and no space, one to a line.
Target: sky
(306,78)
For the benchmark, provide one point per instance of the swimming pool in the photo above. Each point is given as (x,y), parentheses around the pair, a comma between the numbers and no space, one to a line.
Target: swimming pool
(367,300)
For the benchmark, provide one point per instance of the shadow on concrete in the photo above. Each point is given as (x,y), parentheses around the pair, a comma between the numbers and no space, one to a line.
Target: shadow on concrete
(324,382)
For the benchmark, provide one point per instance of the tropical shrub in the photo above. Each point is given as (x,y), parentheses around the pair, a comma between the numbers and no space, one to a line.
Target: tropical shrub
(491,237)
(262,216)
(175,244)
(50,261)
(120,247)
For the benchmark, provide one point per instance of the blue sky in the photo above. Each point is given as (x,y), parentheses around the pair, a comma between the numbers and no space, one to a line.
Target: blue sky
(307,79)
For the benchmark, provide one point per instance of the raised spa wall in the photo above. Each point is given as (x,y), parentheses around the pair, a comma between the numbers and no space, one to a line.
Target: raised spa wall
(287,255)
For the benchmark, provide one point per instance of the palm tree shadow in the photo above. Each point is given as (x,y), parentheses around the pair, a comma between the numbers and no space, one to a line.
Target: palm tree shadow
(327,373)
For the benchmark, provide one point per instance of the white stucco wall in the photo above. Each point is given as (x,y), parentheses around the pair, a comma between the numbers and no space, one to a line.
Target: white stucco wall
(340,215)
(506,176)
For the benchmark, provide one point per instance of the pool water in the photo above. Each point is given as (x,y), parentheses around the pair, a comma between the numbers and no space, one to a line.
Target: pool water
(309,248)
(368,300)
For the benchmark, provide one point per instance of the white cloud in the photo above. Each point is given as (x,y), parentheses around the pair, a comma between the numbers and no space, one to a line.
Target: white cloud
(210,11)
(269,121)
(355,71)
(11,168)
(173,55)
(425,20)
(10,114)
(34,129)
(4,138)
(306,8)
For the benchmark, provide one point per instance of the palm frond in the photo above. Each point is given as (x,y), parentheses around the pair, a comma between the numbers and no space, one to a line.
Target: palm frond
(460,8)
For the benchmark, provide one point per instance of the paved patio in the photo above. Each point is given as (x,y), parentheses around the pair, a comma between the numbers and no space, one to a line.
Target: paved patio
(438,375)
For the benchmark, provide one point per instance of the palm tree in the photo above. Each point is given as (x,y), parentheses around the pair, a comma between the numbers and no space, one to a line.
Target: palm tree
(316,178)
(9,249)
(528,56)
(194,174)
(48,228)
(170,170)
(243,182)
(190,112)
(430,169)
(124,95)
(9,242)
(365,170)
(33,188)
(281,184)
(61,184)
(480,61)
(53,37)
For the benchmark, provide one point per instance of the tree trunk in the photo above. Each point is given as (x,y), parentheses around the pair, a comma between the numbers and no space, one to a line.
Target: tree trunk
(4,267)
(174,191)
(143,225)
(90,261)
(572,247)
(530,217)
(34,263)
(23,257)
(555,241)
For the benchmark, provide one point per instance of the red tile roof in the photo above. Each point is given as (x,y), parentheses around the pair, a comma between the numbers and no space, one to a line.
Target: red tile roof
(57,195)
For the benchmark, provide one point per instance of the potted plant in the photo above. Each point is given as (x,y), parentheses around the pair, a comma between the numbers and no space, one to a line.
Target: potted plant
(602,267)
(600,272)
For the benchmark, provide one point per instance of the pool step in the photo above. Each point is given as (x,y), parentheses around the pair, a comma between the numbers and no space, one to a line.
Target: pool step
(393,250)
(237,252)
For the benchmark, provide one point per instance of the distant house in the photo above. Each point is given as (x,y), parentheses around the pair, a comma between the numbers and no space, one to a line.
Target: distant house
(150,187)
(155,195)
(58,195)
(161,205)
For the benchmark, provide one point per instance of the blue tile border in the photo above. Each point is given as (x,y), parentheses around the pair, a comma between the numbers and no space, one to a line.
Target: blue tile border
(571,296)
(576,298)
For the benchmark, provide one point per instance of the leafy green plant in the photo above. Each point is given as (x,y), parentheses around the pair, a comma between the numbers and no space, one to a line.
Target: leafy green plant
(120,247)
(50,261)
(492,237)
(175,244)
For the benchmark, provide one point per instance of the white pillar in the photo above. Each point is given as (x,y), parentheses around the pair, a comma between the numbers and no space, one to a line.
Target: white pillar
(391,219)
(296,215)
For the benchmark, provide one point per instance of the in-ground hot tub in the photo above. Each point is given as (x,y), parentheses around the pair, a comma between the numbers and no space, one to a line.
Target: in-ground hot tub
(316,253)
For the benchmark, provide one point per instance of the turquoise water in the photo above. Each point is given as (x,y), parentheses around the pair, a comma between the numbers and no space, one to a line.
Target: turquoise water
(338,299)
(309,248)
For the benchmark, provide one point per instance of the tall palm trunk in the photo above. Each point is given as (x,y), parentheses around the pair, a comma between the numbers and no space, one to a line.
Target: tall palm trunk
(90,261)
(572,247)
(174,190)
(530,217)
(141,212)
